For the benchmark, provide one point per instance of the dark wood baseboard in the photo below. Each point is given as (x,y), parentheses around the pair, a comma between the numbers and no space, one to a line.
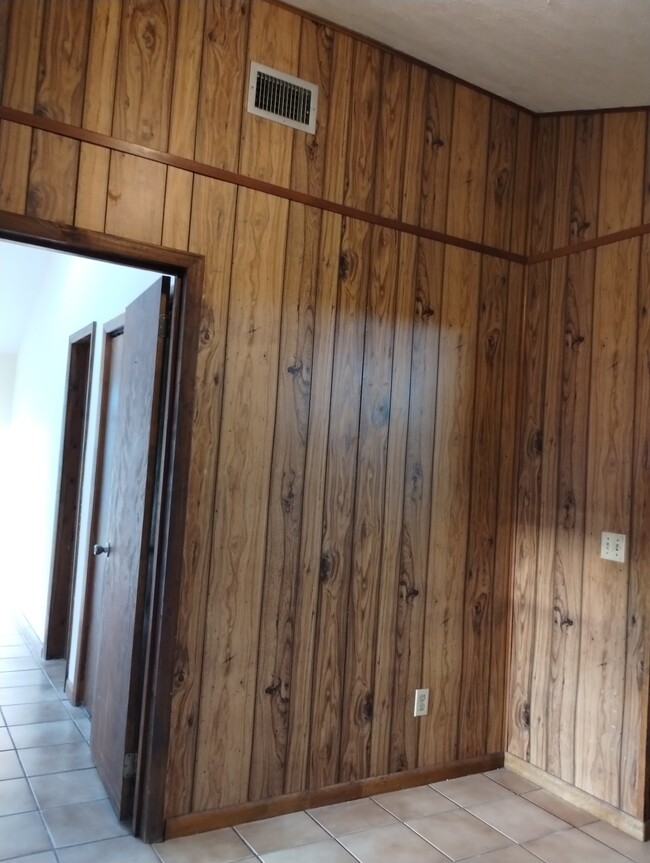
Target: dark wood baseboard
(213,819)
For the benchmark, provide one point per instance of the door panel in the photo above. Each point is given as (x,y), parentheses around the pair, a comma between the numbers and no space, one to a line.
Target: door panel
(118,686)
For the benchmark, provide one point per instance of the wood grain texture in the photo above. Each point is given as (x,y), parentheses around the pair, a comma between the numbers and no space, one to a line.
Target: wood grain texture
(52,178)
(437,152)
(621,171)
(521,192)
(178,208)
(338,508)
(101,71)
(367,572)
(334,186)
(15,152)
(542,185)
(92,187)
(427,266)
(224,743)
(5,11)
(144,72)
(563,180)
(599,710)
(286,506)
(308,587)
(364,116)
(274,40)
(22,54)
(135,186)
(444,613)
(222,82)
(187,78)
(389,173)
(480,577)
(502,154)
(586,177)
(213,216)
(467,169)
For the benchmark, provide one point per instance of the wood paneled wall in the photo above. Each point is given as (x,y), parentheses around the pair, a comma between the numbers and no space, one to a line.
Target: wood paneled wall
(579,689)
(353,481)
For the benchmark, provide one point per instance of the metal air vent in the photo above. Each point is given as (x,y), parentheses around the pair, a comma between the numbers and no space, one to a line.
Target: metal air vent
(282,98)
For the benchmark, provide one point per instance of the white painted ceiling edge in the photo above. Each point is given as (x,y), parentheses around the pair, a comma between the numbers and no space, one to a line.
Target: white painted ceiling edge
(545,55)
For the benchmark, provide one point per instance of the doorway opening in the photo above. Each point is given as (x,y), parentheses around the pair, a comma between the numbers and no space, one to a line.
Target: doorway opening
(146,689)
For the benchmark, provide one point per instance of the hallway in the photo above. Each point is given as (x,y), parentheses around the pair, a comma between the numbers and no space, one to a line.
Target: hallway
(53,808)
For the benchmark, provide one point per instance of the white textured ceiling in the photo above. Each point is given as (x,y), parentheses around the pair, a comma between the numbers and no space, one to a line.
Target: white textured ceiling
(546,55)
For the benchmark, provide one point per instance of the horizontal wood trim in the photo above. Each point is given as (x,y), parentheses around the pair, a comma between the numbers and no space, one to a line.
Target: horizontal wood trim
(610,814)
(88,136)
(586,245)
(214,819)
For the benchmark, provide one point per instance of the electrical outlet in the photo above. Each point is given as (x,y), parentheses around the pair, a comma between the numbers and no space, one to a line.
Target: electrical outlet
(421,705)
(612,546)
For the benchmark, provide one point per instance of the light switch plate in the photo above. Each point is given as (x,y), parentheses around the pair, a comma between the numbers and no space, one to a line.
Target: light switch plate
(612,546)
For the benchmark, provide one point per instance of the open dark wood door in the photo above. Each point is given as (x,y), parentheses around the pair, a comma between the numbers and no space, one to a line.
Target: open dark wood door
(131,532)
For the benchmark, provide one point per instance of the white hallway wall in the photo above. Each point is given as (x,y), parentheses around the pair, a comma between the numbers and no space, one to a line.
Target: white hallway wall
(73,292)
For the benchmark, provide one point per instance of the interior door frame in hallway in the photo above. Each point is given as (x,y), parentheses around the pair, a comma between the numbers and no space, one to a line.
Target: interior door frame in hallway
(188,268)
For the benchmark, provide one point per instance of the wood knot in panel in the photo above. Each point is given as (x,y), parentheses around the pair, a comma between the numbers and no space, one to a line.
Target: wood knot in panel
(501,185)
(367,707)
(326,567)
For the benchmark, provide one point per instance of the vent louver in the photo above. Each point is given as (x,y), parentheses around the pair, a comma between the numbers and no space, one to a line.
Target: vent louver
(282,98)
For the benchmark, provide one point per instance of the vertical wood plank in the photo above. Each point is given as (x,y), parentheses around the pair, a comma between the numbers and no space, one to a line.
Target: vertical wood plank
(609,476)
(634,766)
(224,746)
(338,512)
(428,265)
(529,460)
(338,117)
(101,71)
(586,177)
(391,136)
(502,153)
(544,602)
(569,542)
(273,39)
(22,54)
(5,11)
(136,196)
(521,194)
(178,208)
(389,588)
(187,77)
(15,151)
(367,565)
(484,488)
(563,180)
(414,146)
(362,142)
(505,513)
(52,178)
(211,235)
(450,506)
(542,188)
(309,151)
(282,566)
(621,171)
(469,146)
(440,101)
(144,72)
(92,187)
(300,704)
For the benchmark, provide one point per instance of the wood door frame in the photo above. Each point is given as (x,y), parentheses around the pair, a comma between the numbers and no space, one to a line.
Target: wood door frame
(66,525)
(188,268)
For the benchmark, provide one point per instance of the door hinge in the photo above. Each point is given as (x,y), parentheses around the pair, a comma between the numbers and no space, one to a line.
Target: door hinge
(130,765)
(163,326)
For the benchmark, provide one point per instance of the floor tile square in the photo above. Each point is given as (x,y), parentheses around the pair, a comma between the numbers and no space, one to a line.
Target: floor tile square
(82,823)
(75,786)
(56,759)
(22,835)
(519,819)
(621,842)
(123,849)
(25,714)
(512,781)
(18,663)
(327,851)
(414,802)
(560,808)
(392,844)
(15,797)
(42,857)
(13,650)
(10,767)
(459,834)
(471,790)
(340,818)
(27,694)
(83,725)
(513,854)
(572,845)
(23,678)
(5,740)
(45,734)
(217,846)
(284,831)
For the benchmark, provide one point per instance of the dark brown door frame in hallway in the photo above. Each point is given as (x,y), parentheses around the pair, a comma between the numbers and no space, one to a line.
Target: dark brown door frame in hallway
(163,612)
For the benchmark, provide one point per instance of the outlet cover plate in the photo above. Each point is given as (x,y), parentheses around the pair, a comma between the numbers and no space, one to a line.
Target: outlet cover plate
(612,546)
(421,704)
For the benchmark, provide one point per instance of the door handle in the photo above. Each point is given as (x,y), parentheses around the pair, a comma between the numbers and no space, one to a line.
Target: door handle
(102,549)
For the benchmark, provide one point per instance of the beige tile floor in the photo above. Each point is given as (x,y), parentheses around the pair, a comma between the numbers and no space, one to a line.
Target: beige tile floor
(53,808)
